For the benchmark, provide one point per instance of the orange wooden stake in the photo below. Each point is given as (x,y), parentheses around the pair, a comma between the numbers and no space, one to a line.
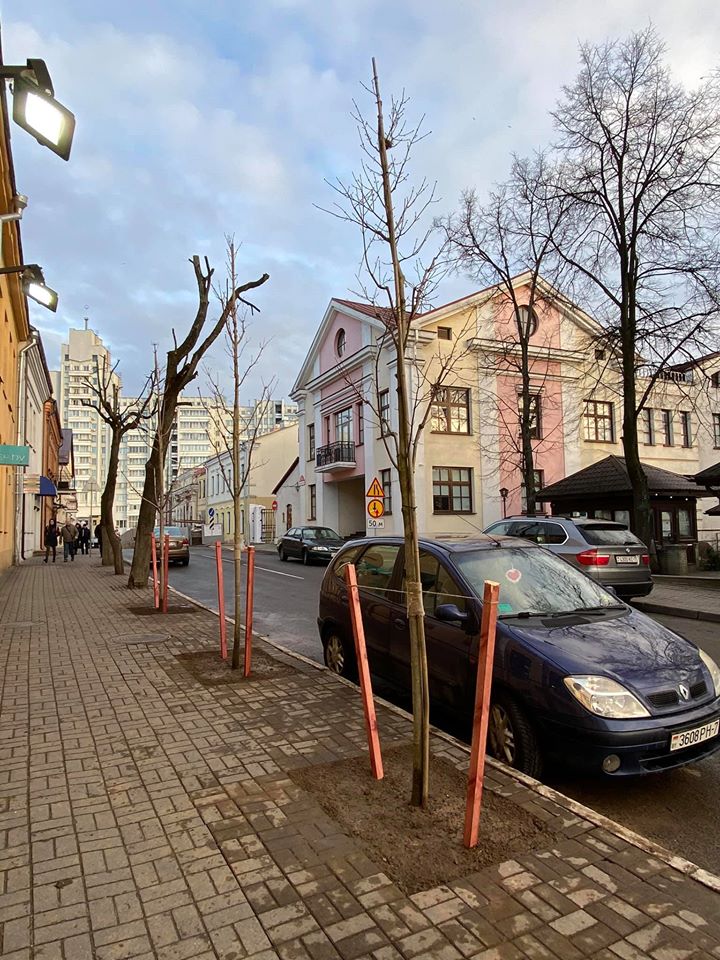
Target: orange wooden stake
(156,585)
(481,715)
(364,671)
(249,599)
(221,599)
(166,572)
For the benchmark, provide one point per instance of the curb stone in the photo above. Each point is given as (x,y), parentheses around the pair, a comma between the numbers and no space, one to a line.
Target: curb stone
(710,616)
(676,862)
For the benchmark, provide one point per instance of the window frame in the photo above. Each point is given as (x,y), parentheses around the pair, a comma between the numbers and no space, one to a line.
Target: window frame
(716,430)
(386,484)
(447,408)
(312,501)
(595,417)
(311,441)
(384,412)
(686,429)
(649,426)
(451,483)
(667,427)
(343,425)
(536,431)
(446,333)
(361,423)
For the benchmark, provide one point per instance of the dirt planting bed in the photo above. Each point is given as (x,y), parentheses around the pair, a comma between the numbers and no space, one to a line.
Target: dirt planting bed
(209,670)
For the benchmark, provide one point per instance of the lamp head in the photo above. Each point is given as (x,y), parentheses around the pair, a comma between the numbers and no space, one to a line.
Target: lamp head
(36,110)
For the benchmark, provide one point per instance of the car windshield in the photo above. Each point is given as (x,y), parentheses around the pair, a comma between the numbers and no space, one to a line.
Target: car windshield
(170,531)
(532,581)
(600,534)
(320,533)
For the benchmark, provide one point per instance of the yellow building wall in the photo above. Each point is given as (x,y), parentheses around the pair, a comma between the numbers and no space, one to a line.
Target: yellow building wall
(14,331)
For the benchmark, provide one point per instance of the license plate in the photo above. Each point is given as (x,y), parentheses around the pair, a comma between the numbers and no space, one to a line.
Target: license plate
(688,738)
(634,559)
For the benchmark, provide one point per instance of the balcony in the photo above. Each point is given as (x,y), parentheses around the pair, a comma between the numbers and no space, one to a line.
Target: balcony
(335,456)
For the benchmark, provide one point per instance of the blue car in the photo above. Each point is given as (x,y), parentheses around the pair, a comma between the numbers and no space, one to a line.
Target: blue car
(579,677)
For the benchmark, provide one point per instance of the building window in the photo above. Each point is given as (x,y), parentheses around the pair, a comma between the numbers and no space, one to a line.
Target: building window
(312,511)
(715,379)
(686,429)
(539,481)
(343,426)
(386,484)
(528,321)
(340,342)
(599,421)
(361,423)
(535,415)
(716,429)
(667,426)
(384,410)
(444,333)
(311,441)
(452,490)
(327,429)
(648,426)
(450,410)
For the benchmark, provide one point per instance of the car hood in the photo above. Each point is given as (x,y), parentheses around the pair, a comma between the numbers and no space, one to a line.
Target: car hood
(330,542)
(630,647)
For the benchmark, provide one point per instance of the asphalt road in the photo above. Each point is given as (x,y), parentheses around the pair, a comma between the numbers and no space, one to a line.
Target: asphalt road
(680,809)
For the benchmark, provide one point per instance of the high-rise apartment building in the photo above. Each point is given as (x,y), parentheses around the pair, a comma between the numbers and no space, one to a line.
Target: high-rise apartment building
(81,358)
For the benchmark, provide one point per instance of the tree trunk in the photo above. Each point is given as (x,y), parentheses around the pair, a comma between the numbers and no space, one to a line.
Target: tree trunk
(107,502)
(237,574)
(528,459)
(149,504)
(641,519)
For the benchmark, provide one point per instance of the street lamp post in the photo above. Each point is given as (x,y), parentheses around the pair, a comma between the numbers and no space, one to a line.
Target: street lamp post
(504,495)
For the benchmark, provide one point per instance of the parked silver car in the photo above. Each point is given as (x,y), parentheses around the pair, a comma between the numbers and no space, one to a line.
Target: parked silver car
(606,551)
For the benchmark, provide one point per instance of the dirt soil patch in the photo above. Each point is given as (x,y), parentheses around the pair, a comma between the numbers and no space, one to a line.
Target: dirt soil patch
(152,612)
(420,849)
(209,670)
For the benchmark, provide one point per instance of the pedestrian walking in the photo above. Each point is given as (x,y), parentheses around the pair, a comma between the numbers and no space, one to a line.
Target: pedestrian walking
(85,538)
(68,532)
(78,541)
(50,539)
(98,535)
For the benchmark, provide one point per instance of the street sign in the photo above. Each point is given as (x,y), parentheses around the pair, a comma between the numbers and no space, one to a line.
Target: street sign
(373,524)
(211,517)
(301,481)
(375,509)
(14,456)
(274,505)
(375,490)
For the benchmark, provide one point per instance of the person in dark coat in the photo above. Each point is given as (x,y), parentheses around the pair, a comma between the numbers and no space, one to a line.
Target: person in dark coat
(68,532)
(50,540)
(85,538)
(98,534)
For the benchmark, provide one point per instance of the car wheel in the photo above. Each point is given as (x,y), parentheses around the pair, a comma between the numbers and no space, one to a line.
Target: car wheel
(306,558)
(338,655)
(511,738)
(283,556)
(186,562)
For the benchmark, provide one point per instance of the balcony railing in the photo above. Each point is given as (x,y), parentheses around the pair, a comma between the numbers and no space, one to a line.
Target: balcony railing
(335,456)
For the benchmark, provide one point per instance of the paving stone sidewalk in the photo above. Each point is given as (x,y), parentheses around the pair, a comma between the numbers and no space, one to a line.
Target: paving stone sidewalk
(683,599)
(143,814)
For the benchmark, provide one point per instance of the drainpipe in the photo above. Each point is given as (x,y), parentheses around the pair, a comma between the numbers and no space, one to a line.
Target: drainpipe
(22,420)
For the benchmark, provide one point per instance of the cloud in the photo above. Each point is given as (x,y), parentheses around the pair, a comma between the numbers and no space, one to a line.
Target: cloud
(191,126)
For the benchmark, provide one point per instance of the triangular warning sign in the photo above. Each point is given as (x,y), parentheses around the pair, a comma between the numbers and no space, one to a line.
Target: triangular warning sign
(375,490)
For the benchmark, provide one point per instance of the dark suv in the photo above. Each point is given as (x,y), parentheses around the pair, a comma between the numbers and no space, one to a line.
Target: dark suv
(606,551)
(579,676)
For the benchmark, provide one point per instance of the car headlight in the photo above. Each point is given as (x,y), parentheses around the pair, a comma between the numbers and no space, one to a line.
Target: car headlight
(713,669)
(606,698)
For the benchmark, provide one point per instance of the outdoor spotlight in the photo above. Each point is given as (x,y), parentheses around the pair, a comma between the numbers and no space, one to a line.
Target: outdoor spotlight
(19,202)
(34,285)
(36,110)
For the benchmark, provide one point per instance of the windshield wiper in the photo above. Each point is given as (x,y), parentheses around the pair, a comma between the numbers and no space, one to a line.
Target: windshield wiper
(522,615)
(592,610)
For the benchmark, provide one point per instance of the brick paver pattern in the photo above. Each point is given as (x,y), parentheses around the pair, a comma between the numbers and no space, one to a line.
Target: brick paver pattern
(143,815)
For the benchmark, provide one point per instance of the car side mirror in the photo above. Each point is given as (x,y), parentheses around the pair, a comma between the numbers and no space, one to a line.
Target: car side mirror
(449,613)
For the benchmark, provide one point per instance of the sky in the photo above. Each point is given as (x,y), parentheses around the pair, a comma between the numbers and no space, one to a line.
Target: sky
(200,120)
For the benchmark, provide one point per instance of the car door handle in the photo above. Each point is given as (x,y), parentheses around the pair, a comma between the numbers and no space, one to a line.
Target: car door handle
(400,623)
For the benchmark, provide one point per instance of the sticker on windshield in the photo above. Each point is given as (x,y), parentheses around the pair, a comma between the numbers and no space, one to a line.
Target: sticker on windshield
(513,575)
(504,608)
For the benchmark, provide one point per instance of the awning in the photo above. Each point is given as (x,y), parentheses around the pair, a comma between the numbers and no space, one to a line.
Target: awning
(47,487)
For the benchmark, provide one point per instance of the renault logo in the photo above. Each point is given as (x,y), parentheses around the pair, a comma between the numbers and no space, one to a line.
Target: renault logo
(683,691)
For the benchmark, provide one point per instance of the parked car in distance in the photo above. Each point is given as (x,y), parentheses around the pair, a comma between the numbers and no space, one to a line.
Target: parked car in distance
(579,677)
(179,544)
(309,544)
(604,550)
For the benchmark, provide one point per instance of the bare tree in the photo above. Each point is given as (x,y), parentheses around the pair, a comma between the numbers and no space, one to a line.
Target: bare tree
(180,369)
(121,417)
(637,167)
(507,243)
(389,211)
(233,434)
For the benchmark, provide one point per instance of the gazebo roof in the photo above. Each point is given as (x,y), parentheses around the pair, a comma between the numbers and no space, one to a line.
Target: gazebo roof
(610,476)
(710,476)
